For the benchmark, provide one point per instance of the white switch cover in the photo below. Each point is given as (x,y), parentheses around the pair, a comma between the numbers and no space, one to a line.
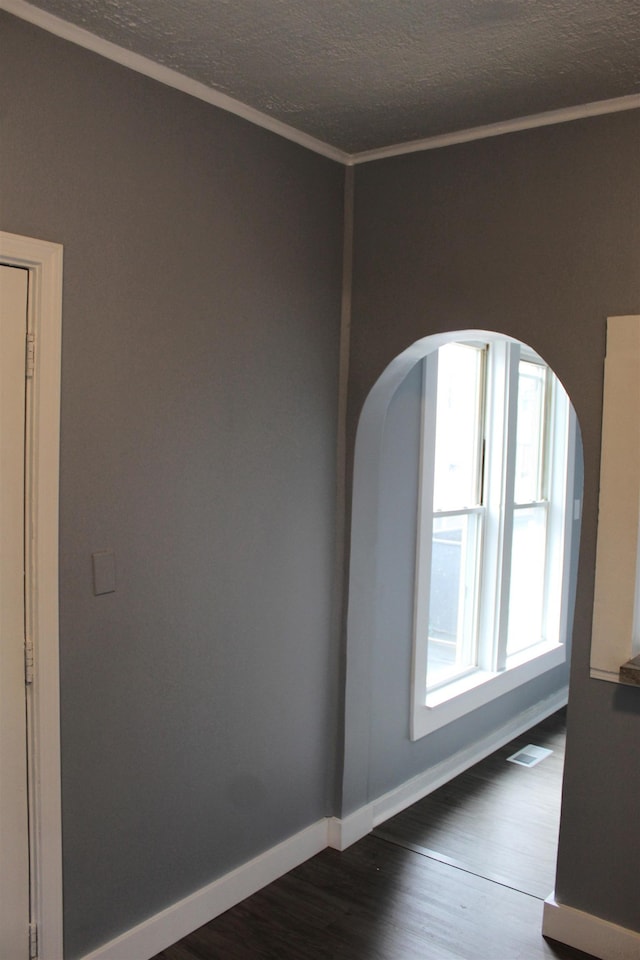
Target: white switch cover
(104,572)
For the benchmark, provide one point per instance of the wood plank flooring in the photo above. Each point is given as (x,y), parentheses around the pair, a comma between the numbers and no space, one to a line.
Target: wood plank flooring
(497,820)
(461,875)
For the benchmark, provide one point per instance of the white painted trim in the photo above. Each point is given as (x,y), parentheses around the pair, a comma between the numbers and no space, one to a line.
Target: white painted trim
(167,76)
(615,635)
(181,918)
(418,787)
(612,676)
(178,81)
(497,674)
(549,118)
(584,931)
(342,833)
(481,688)
(44,262)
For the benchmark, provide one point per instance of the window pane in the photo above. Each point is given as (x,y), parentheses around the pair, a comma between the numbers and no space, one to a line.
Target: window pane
(530,432)
(452,648)
(526,592)
(457,452)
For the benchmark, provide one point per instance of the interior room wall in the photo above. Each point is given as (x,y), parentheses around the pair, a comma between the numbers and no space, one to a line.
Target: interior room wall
(536,235)
(199,405)
(202,274)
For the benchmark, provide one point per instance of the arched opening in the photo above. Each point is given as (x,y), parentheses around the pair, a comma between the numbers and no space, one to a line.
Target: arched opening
(386,673)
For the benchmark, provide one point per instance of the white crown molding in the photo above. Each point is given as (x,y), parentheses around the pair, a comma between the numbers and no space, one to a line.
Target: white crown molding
(563,115)
(171,78)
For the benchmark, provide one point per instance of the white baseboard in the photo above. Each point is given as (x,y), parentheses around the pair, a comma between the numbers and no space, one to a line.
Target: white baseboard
(418,787)
(584,931)
(165,928)
(342,833)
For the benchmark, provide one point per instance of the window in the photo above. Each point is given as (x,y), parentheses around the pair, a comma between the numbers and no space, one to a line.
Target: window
(494,525)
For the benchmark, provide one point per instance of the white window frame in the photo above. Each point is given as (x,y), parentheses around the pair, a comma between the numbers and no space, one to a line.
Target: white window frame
(496,674)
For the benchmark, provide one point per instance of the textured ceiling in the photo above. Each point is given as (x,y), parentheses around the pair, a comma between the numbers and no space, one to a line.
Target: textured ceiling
(363,74)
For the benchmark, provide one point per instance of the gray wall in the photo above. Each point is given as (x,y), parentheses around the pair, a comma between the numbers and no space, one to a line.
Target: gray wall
(537,235)
(201,309)
(199,391)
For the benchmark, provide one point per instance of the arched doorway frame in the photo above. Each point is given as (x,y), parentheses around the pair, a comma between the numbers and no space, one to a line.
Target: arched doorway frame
(363,572)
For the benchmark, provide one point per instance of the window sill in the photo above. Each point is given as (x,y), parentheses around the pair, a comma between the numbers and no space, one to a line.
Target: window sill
(456,699)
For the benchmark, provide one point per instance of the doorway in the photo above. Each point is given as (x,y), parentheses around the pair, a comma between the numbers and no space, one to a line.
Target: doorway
(14,800)
(30,841)
(386,765)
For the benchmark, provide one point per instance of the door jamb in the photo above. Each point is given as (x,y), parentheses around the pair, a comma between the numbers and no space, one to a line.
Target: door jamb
(44,262)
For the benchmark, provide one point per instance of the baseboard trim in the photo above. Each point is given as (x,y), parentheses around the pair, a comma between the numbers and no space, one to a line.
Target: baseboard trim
(165,928)
(343,833)
(584,931)
(175,922)
(422,785)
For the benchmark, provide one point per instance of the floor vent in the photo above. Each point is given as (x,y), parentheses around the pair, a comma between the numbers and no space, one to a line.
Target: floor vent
(530,755)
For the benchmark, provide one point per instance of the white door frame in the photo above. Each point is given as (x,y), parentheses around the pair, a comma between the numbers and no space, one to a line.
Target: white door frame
(44,262)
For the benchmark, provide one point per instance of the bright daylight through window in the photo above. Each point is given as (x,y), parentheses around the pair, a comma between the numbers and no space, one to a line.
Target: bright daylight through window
(494,525)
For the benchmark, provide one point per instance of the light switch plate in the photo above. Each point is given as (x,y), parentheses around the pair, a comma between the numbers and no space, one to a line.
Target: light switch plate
(104,572)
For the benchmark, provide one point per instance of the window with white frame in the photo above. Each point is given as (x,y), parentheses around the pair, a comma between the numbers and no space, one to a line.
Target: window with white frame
(494,526)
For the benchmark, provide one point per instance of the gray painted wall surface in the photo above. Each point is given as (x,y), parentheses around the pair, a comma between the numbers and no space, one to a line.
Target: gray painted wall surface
(536,235)
(202,276)
(199,392)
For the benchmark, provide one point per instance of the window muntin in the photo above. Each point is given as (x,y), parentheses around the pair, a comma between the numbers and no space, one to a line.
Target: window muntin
(494,512)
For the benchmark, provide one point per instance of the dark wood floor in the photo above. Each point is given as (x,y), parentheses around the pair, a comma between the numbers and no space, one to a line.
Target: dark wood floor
(460,875)
(497,820)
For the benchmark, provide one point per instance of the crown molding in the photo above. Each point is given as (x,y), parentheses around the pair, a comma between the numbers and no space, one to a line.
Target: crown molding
(172,78)
(547,119)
